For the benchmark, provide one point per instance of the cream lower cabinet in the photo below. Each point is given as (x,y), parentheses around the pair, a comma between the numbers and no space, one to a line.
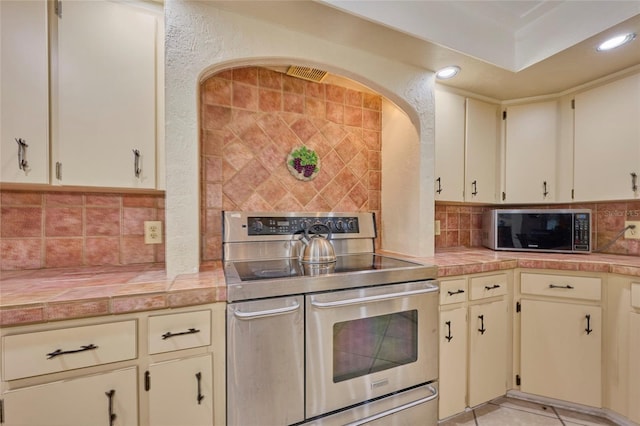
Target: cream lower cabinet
(561,337)
(160,368)
(634,367)
(474,341)
(488,347)
(101,399)
(181,392)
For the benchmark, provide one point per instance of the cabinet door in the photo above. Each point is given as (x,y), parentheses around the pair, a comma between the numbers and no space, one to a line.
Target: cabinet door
(634,367)
(607,141)
(181,392)
(77,402)
(487,351)
(559,357)
(106,95)
(531,143)
(449,132)
(481,151)
(24,91)
(452,377)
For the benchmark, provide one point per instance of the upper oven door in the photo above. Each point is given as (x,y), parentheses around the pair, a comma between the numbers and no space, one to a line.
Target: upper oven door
(369,342)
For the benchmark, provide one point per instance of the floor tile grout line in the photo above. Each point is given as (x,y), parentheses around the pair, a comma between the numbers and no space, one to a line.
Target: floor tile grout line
(560,418)
(475,418)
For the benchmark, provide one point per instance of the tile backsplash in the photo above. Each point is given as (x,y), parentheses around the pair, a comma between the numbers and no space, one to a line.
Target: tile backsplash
(461,224)
(252,118)
(57,229)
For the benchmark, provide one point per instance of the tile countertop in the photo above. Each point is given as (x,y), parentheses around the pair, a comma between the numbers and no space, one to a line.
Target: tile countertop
(42,295)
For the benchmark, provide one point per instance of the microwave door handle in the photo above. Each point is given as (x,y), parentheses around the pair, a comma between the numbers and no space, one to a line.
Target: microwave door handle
(375,298)
(434,395)
(266,313)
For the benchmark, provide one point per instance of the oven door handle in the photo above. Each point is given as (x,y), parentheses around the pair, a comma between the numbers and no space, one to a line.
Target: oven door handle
(375,298)
(434,395)
(267,313)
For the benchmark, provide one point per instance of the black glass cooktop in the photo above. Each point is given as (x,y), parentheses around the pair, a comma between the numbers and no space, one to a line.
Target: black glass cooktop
(285,268)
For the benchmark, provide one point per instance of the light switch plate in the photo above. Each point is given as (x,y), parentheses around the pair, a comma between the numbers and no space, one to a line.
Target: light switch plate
(436,227)
(152,232)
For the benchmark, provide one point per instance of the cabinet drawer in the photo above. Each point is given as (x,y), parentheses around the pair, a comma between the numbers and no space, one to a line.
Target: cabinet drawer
(33,354)
(453,291)
(173,332)
(564,286)
(488,286)
(635,295)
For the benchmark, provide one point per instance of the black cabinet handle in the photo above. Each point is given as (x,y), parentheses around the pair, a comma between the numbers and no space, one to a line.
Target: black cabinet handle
(451,293)
(493,287)
(59,352)
(545,192)
(169,334)
(448,336)
(588,329)
(136,163)
(475,188)
(439,190)
(200,395)
(481,329)
(22,154)
(568,287)
(112,415)
(634,181)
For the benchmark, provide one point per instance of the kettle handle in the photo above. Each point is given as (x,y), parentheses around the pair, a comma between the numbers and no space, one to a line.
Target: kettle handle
(316,228)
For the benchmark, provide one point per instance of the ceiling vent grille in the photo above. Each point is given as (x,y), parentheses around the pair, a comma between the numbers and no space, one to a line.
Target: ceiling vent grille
(306,73)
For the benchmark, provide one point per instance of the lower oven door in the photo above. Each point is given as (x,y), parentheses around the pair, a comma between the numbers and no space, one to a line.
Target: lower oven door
(366,343)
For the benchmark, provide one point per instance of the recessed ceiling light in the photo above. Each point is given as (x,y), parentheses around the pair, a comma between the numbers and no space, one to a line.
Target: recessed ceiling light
(616,41)
(448,72)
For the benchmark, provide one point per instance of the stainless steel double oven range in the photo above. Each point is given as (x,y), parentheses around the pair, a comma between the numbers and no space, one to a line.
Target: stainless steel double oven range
(351,341)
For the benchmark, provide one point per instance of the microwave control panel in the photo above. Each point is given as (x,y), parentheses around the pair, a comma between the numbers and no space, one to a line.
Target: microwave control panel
(581,231)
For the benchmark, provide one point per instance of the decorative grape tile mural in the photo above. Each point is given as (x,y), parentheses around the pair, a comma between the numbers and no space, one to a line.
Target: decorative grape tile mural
(252,118)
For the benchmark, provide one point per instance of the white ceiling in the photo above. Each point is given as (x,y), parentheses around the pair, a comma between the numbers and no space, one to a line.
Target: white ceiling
(507,49)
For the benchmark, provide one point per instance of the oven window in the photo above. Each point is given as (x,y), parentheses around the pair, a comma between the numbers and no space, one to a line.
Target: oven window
(367,345)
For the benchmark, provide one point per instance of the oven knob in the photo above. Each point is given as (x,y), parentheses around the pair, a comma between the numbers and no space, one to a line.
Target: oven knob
(305,224)
(351,225)
(329,224)
(339,225)
(258,226)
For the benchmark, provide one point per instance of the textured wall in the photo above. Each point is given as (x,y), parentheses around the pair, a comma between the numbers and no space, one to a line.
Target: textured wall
(252,118)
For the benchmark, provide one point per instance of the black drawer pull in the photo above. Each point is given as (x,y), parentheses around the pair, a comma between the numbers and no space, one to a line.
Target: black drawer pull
(170,334)
(568,287)
(451,293)
(58,352)
(493,287)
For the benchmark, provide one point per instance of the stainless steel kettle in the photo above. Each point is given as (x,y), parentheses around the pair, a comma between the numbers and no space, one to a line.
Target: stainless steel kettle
(318,249)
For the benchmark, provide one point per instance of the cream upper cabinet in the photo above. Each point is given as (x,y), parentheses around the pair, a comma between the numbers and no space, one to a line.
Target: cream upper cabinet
(449,132)
(482,135)
(104,95)
(531,142)
(607,142)
(24,92)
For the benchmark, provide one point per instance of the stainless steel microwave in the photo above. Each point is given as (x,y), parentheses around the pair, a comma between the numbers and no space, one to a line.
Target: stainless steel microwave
(547,230)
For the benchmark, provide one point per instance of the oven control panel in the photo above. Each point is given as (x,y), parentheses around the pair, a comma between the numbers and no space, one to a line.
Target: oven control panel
(295,225)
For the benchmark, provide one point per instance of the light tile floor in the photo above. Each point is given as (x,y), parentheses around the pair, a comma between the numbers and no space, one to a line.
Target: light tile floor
(506,411)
